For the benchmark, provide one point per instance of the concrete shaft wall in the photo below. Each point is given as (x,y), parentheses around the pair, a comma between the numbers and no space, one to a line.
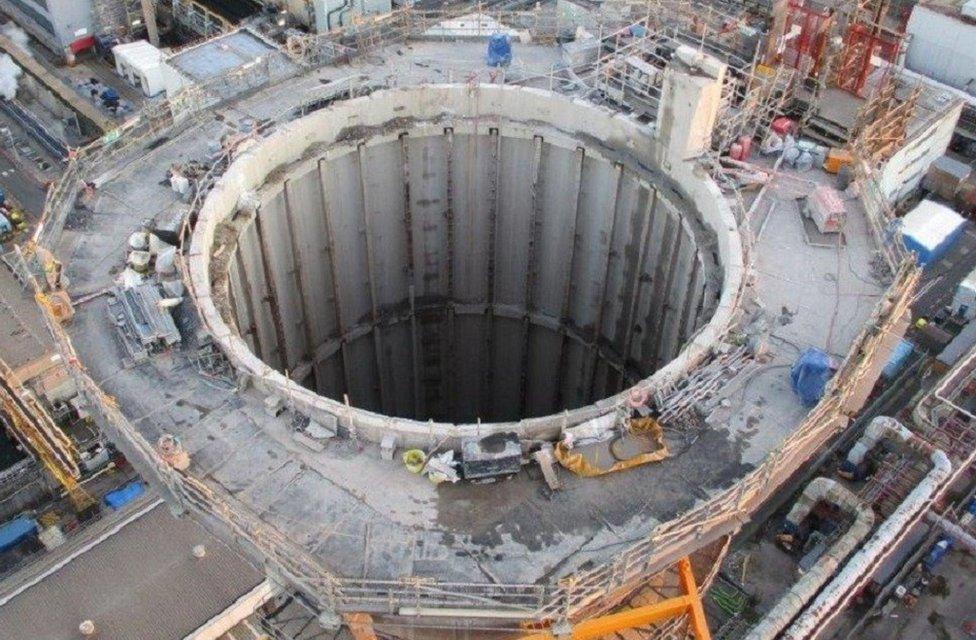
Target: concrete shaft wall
(451,274)
(451,252)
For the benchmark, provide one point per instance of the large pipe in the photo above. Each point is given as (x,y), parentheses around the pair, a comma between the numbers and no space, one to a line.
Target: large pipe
(954,531)
(863,565)
(807,586)
(878,429)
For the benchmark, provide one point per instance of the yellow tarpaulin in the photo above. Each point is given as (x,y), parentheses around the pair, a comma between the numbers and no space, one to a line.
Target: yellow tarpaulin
(646,428)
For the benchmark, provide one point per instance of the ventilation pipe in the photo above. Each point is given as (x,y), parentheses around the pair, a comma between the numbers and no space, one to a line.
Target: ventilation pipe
(880,428)
(953,530)
(820,489)
(856,572)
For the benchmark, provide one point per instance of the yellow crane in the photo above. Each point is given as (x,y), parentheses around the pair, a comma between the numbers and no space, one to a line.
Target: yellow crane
(34,427)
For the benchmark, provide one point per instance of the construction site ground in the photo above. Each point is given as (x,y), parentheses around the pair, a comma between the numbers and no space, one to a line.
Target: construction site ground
(938,614)
(366,517)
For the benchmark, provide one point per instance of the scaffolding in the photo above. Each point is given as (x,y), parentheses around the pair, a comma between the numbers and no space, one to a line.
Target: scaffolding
(882,123)
(32,426)
(866,39)
(198,18)
(122,18)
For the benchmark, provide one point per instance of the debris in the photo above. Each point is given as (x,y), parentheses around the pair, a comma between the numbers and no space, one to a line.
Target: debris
(172,452)
(647,429)
(274,406)
(441,468)
(546,459)
(388,446)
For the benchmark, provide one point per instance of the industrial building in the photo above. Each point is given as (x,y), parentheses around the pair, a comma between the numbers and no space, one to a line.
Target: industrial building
(506,321)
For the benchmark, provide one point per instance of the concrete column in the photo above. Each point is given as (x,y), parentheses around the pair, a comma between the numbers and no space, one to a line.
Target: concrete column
(149,16)
(690,99)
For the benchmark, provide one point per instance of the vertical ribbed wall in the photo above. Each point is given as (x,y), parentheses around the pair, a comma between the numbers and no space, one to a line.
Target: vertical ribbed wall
(455,276)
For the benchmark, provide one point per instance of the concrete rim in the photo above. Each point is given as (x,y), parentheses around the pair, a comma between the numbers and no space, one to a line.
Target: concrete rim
(636,142)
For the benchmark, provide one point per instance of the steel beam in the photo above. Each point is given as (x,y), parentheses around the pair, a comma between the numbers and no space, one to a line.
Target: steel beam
(488,327)
(280,341)
(252,328)
(411,274)
(451,336)
(662,299)
(371,282)
(637,284)
(558,398)
(306,320)
(532,250)
(336,287)
(589,372)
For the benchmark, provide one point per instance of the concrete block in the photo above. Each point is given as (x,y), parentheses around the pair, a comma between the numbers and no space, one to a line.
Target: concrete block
(274,406)
(388,446)
(315,444)
(322,430)
(547,462)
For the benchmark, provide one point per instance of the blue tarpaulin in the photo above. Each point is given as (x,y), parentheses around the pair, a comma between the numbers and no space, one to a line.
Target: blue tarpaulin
(499,50)
(124,495)
(810,374)
(13,532)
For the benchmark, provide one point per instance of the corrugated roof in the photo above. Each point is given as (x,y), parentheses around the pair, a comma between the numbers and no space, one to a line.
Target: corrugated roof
(23,334)
(142,583)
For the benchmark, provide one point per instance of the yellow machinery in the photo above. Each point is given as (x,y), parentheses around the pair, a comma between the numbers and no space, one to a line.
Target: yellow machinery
(34,427)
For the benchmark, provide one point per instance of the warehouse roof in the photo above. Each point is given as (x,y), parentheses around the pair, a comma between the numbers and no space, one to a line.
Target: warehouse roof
(142,581)
(23,334)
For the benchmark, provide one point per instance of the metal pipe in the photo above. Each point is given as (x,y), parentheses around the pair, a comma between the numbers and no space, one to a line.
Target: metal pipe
(877,430)
(328,16)
(955,531)
(445,612)
(856,572)
(807,586)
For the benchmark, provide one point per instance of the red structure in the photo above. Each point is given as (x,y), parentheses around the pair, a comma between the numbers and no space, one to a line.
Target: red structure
(805,34)
(863,43)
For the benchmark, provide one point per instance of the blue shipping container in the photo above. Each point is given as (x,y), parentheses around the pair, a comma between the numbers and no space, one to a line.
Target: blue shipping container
(14,532)
(122,496)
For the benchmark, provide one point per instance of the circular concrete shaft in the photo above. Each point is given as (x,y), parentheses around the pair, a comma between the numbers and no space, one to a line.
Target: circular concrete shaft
(442,255)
